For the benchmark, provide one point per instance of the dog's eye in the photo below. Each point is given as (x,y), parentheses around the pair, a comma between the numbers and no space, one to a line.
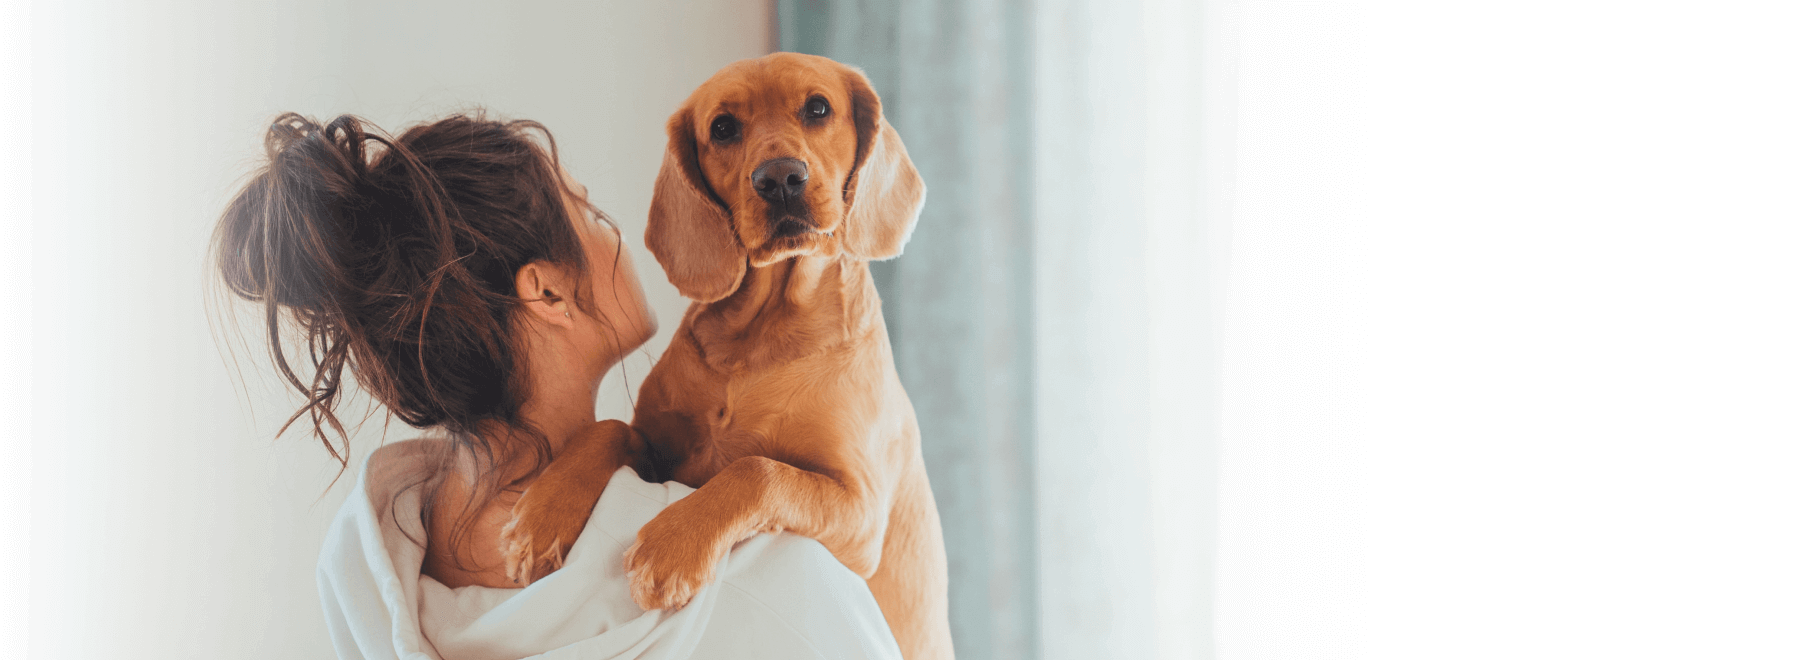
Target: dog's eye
(724,128)
(817,108)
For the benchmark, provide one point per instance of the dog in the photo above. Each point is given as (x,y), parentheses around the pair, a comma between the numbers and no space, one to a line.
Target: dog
(777,397)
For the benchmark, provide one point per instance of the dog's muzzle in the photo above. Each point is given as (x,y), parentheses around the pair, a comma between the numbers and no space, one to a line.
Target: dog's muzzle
(782,183)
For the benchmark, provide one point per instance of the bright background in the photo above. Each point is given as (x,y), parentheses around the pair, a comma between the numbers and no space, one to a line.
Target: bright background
(1316,329)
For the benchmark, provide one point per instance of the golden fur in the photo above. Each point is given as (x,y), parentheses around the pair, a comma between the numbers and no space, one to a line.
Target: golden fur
(777,396)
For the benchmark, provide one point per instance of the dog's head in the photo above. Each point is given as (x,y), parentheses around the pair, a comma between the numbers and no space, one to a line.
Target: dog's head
(776,157)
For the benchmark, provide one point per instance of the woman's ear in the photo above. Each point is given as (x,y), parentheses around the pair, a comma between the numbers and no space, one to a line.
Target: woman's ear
(883,193)
(690,229)
(546,292)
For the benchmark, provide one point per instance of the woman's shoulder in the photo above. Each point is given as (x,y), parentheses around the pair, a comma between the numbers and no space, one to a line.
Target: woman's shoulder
(397,466)
(781,584)
(774,591)
(766,562)
(387,483)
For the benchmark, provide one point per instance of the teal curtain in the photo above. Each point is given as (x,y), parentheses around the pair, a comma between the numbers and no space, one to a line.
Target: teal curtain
(1054,316)
(955,81)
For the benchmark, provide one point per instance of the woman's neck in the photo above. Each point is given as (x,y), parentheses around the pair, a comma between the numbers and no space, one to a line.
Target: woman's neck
(565,381)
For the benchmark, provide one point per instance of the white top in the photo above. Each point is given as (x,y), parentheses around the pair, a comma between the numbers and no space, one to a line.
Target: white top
(777,596)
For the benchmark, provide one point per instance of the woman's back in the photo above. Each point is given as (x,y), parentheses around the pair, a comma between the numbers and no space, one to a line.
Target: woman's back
(778,596)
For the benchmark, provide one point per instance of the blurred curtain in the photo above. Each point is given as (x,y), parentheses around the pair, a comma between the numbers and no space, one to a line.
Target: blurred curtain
(1050,316)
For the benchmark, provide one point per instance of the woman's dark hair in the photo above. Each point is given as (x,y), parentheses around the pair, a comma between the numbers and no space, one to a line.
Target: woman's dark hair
(396,258)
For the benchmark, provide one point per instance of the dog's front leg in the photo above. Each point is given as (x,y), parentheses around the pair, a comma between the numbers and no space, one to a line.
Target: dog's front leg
(676,552)
(554,509)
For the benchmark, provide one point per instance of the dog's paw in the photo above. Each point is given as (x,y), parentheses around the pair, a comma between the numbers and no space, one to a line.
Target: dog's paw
(672,560)
(527,557)
(538,537)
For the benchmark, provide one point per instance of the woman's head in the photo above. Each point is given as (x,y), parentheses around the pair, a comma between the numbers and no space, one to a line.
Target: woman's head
(428,264)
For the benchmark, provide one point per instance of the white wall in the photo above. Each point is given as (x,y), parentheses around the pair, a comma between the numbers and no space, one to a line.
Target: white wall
(1511,333)
(166,522)
(15,333)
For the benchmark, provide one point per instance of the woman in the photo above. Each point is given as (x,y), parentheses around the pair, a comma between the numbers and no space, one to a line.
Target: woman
(461,277)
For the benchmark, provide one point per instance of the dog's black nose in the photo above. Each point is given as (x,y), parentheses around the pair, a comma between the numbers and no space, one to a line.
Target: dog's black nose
(780,179)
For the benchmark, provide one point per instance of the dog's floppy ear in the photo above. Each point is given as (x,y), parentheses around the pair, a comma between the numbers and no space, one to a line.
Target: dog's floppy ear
(690,229)
(883,193)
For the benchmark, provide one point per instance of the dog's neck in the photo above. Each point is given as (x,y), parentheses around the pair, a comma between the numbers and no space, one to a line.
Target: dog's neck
(788,309)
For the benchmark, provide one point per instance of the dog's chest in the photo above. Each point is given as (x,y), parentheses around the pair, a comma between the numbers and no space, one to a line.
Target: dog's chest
(734,417)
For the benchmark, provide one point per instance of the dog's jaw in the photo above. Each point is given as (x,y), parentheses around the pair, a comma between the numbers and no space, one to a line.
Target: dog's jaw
(810,243)
(786,235)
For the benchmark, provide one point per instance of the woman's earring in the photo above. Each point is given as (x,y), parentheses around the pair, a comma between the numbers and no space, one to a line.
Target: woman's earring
(566,315)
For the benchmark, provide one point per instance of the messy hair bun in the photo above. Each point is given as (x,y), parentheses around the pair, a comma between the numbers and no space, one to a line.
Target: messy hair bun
(395,258)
